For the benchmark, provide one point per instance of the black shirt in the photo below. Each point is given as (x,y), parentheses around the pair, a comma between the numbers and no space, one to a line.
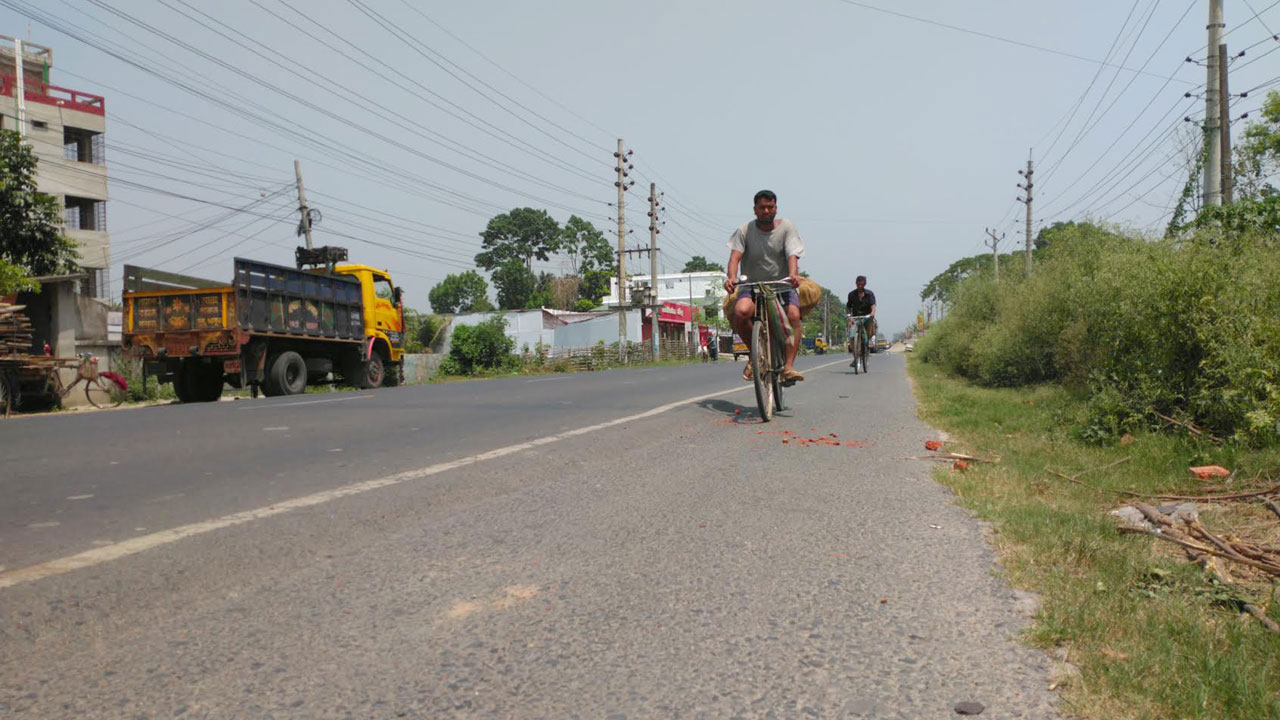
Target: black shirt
(862,306)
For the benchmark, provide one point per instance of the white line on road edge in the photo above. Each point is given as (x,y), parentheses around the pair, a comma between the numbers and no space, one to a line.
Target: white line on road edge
(304,402)
(115,551)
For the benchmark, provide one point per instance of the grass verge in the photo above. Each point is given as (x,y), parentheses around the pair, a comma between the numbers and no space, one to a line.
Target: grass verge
(1151,635)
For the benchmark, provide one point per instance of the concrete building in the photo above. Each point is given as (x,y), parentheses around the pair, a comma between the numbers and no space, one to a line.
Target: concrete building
(703,290)
(67,130)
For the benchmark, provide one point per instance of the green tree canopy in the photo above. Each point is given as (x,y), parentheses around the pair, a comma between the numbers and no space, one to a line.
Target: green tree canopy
(697,263)
(585,246)
(461,293)
(13,278)
(515,283)
(29,220)
(522,234)
(1257,156)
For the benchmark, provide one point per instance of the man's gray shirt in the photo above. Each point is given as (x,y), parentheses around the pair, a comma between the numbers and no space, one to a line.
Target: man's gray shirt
(764,254)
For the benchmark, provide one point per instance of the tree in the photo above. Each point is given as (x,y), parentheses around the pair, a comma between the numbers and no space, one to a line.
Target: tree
(697,263)
(515,283)
(585,246)
(522,234)
(1257,156)
(29,220)
(14,278)
(564,291)
(1046,235)
(541,296)
(461,293)
(942,287)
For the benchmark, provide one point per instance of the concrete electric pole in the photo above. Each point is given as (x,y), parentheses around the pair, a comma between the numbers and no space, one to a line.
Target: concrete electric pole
(1224,124)
(305,224)
(1212,192)
(20,93)
(622,184)
(654,303)
(994,243)
(1027,185)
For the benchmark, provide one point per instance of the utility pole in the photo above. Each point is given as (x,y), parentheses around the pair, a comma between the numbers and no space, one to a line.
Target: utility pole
(653,267)
(622,184)
(305,225)
(1224,123)
(20,94)
(1027,186)
(995,258)
(1212,193)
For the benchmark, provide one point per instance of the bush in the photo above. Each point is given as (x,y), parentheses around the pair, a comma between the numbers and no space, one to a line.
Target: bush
(1186,329)
(475,348)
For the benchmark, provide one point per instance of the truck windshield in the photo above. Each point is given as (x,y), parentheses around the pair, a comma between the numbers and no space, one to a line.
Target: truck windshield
(382,286)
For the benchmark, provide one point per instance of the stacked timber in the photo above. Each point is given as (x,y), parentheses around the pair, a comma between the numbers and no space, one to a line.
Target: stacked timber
(16,333)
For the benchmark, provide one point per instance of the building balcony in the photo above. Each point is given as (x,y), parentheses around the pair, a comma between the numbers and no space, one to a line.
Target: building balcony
(54,95)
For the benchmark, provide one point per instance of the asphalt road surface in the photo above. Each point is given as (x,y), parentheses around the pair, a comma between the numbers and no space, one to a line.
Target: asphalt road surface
(621,544)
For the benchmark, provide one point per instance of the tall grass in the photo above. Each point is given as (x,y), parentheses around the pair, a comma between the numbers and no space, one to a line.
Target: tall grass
(1188,329)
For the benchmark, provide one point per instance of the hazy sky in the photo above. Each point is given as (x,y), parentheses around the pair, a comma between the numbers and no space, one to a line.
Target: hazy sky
(892,141)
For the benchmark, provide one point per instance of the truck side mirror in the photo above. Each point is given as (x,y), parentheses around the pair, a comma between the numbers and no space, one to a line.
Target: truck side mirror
(396,293)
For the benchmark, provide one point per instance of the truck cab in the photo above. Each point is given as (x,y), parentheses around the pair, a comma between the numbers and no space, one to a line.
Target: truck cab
(384,313)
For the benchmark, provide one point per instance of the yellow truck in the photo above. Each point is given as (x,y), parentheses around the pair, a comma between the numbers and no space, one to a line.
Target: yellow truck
(273,328)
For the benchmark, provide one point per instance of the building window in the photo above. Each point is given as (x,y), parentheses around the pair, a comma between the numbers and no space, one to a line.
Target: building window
(40,124)
(86,214)
(94,286)
(84,146)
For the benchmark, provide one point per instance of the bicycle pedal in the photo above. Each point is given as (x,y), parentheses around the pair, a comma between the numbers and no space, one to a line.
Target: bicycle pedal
(787,383)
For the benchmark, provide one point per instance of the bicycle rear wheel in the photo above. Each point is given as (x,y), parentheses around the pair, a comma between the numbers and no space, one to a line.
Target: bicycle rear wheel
(857,351)
(103,392)
(866,353)
(762,369)
(779,358)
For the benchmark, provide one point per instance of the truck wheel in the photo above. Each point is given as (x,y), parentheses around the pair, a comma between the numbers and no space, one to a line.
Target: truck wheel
(374,372)
(204,382)
(394,375)
(287,375)
(180,382)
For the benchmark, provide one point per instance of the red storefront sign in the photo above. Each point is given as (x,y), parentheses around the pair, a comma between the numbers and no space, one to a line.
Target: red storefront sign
(675,313)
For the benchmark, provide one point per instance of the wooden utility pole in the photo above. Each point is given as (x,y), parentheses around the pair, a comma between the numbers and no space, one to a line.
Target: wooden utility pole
(1027,185)
(1212,192)
(623,171)
(1224,123)
(994,243)
(305,224)
(654,303)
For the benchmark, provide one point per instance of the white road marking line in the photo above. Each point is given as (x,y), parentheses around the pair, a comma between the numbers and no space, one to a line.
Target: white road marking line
(304,402)
(41,525)
(275,429)
(97,556)
(547,379)
(79,497)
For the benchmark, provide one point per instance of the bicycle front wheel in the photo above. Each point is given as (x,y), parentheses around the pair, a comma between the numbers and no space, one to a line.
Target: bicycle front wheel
(762,369)
(103,392)
(866,353)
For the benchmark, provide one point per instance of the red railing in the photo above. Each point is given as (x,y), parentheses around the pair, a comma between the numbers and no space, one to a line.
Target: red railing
(54,95)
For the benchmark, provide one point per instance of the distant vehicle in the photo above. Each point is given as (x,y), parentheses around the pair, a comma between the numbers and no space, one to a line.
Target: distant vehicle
(273,327)
(880,345)
(739,347)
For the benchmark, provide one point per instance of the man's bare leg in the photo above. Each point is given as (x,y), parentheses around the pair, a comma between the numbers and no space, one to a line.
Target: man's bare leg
(793,347)
(743,310)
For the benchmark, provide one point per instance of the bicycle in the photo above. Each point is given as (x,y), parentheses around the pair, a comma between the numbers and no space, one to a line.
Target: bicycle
(768,344)
(859,343)
(103,389)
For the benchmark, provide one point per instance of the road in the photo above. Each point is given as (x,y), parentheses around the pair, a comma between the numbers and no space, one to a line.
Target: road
(630,543)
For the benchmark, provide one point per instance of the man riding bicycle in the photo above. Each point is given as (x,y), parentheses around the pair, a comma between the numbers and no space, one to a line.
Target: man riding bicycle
(862,302)
(767,249)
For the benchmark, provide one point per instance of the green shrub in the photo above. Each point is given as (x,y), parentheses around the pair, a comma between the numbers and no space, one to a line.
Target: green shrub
(475,348)
(1183,328)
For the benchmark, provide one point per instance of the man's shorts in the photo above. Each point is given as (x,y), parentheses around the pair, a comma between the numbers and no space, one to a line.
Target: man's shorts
(790,297)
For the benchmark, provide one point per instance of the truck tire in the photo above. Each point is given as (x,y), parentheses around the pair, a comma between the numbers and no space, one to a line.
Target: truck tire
(198,381)
(180,383)
(394,375)
(287,375)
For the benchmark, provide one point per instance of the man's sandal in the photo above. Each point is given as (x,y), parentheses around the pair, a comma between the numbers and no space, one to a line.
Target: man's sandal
(791,377)
(746,373)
